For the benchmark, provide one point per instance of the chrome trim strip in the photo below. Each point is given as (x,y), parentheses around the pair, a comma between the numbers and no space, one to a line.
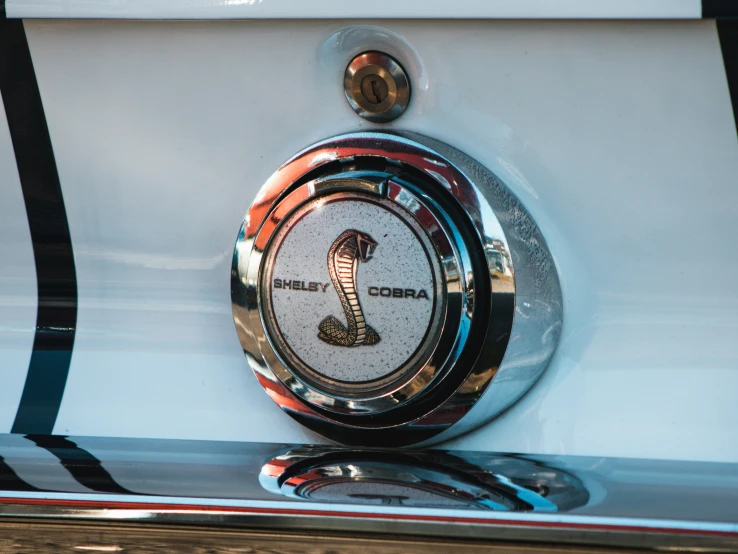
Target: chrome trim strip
(560,529)
(630,502)
(178,468)
(54,537)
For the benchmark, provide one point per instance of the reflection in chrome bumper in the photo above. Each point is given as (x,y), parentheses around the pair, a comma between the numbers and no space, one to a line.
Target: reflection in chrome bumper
(462,496)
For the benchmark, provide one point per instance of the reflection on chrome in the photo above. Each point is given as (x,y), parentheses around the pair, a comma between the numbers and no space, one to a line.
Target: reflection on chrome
(188,486)
(487,259)
(421,479)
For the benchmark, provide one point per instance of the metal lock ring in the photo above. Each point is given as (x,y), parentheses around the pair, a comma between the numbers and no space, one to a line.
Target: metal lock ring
(376,87)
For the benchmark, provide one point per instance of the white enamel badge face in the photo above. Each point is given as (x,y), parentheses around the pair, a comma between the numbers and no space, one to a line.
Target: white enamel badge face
(355,273)
(374,292)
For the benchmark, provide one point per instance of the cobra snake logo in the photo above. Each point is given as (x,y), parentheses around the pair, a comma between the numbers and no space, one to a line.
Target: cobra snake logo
(343,260)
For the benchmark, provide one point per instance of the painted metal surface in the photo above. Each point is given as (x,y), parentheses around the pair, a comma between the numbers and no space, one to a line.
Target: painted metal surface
(615,136)
(18,291)
(386,9)
(56,278)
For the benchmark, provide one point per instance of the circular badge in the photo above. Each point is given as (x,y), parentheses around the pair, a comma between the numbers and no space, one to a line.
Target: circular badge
(353,295)
(352,292)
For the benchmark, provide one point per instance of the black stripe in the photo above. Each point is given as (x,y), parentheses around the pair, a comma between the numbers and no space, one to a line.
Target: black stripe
(86,469)
(728,35)
(9,480)
(719,8)
(56,318)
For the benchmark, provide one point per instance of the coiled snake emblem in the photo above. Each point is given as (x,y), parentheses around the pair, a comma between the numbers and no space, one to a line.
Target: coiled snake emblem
(343,260)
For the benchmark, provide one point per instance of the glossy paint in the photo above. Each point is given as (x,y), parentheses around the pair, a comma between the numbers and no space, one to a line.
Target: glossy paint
(388,9)
(617,137)
(18,291)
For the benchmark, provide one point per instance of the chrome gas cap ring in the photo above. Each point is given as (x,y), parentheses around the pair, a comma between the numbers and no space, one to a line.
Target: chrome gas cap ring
(374,292)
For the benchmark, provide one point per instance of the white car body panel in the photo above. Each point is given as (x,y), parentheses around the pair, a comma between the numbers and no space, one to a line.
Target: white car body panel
(616,136)
(348,9)
(18,292)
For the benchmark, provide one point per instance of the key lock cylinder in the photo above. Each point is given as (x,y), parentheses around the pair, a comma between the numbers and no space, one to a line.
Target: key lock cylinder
(388,289)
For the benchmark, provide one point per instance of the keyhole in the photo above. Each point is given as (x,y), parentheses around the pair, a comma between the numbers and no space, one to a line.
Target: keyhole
(374,89)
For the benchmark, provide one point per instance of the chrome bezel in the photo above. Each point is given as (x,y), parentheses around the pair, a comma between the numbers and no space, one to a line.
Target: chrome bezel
(429,362)
(446,188)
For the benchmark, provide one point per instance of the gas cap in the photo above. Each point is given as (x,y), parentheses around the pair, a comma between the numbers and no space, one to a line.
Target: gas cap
(389,290)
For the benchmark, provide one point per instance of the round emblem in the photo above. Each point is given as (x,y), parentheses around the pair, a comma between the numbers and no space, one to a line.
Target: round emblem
(374,292)
(352,289)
